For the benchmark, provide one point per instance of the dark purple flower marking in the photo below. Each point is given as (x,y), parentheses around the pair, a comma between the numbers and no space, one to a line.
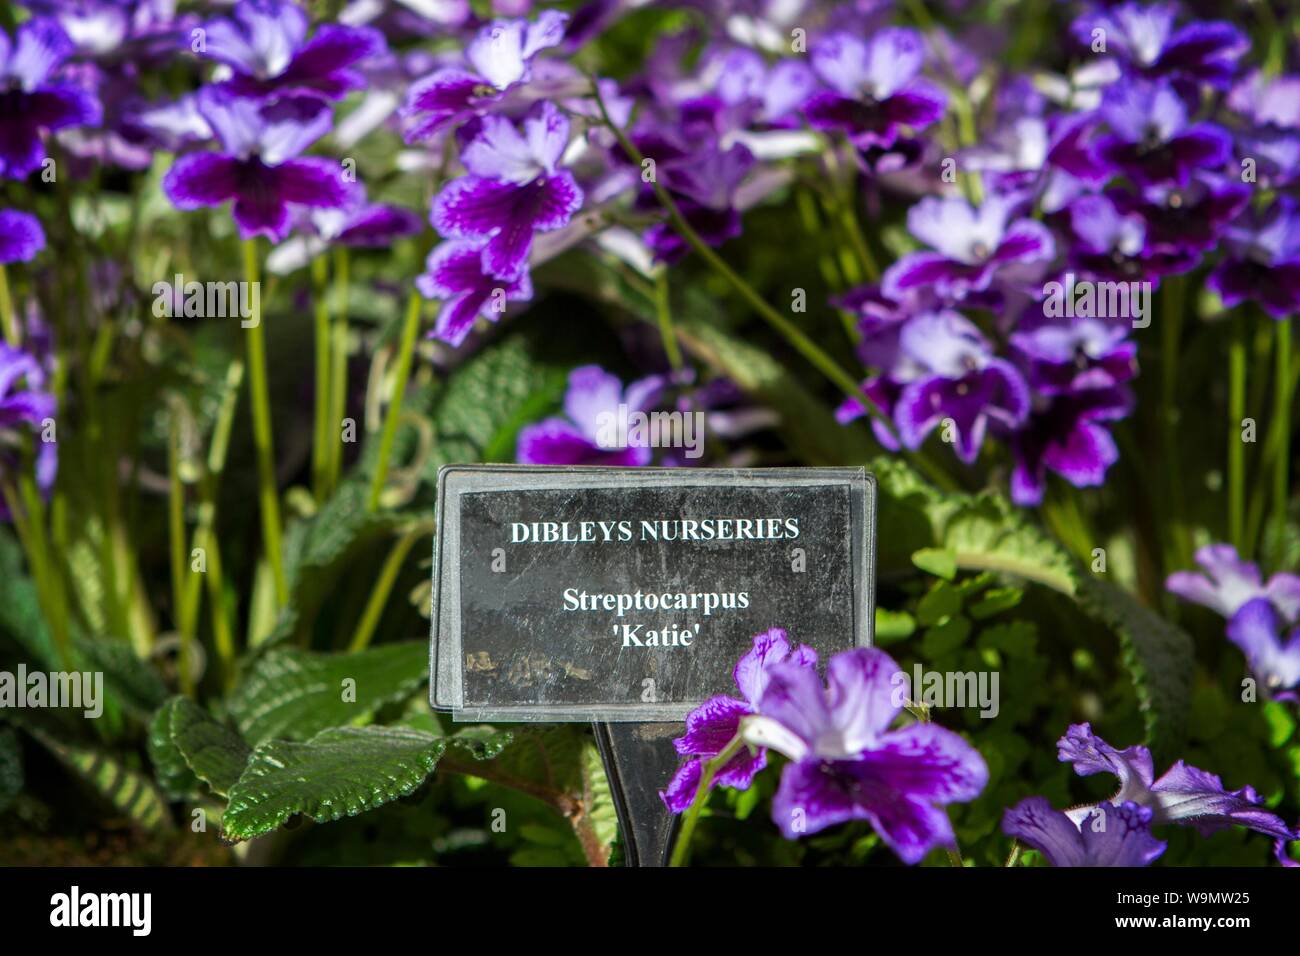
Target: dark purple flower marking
(874,87)
(1107,244)
(716,722)
(257,168)
(1066,436)
(31,103)
(21,236)
(1274,658)
(1183,795)
(960,379)
(454,274)
(1142,37)
(1182,222)
(514,188)
(1110,836)
(500,57)
(703,184)
(1263,260)
(576,439)
(265,44)
(1151,139)
(972,247)
(1227,582)
(846,764)
(1084,353)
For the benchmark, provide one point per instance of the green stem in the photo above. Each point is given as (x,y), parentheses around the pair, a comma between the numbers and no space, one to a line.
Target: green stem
(1283,391)
(339,366)
(682,848)
(321,439)
(383,587)
(663,311)
(1236,447)
(1179,552)
(176,536)
(8,321)
(1014,856)
(260,396)
(410,327)
(804,345)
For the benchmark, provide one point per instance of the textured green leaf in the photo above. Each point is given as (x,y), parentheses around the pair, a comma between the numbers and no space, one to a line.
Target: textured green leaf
(173,774)
(1159,658)
(340,772)
(130,792)
(212,751)
(317,550)
(986,533)
(598,801)
(11,768)
(293,694)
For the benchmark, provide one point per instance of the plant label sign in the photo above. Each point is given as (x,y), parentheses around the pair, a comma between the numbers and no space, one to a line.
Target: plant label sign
(627,595)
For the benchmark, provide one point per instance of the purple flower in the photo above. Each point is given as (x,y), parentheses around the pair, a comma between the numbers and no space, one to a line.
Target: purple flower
(500,57)
(1065,436)
(874,87)
(1182,222)
(21,236)
(1183,795)
(1228,582)
(454,274)
(30,103)
(1109,836)
(845,762)
(973,247)
(256,167)
(703,183)
(1273,659)
(1069,357)
(716,722)
(960,380)
(1151,139)
(580,437)
(514,188)
(1107,244)
(24,407)
(1263,261)
(265,44)
(1142,37)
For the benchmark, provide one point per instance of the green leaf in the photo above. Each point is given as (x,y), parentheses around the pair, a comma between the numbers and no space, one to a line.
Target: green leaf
(986,533)
(598,801)
(212,751)
(20,610)
(340,772)
(1159,658)
(128,791)
(170,770)
(294,694)
(940,602)
(318,549)
(11,768)
(995,601)
(948,636)
(940,562)
(893,626)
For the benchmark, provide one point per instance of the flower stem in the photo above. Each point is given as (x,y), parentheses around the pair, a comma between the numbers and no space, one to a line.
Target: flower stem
(259,394)
(321,434)
(410,327)
(339,371)
(383,587)
(1283,391)
(663,312)
(804,345)
(8,322)
(682,848)
(176,537)
(1236,448)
